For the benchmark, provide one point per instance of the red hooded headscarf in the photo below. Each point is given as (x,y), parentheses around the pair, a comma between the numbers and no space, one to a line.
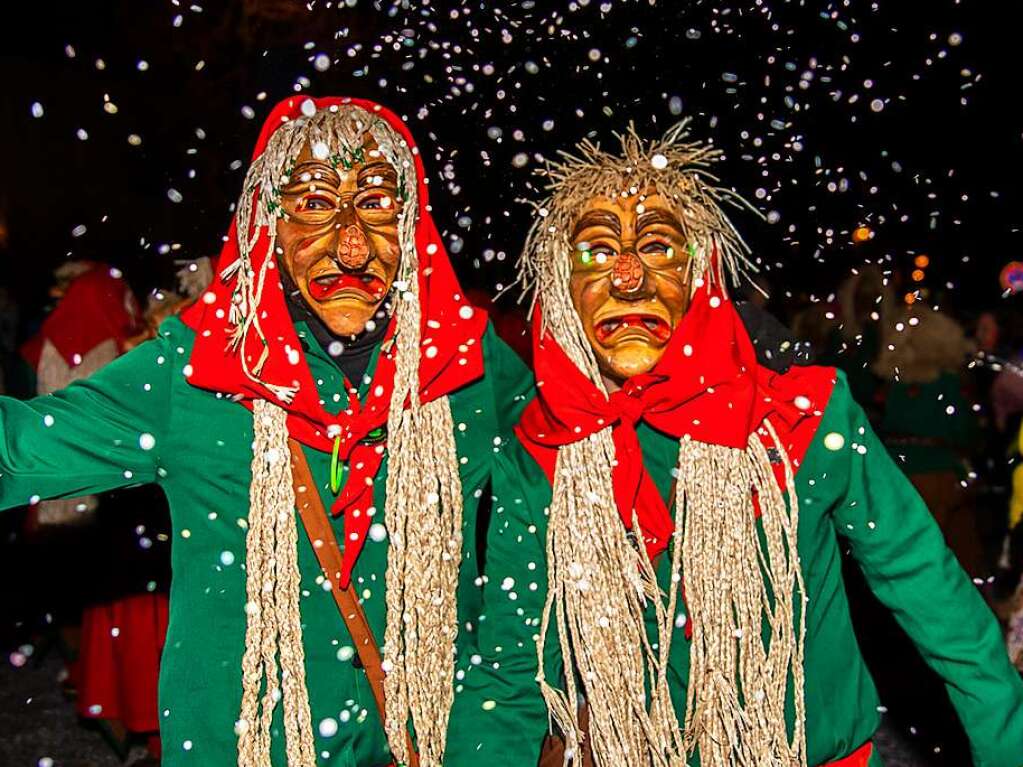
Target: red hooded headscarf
(451,329)
(707,386)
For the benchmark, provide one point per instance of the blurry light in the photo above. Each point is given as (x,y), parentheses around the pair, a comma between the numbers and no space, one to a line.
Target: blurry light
(921,261)
(862,234)
(1011,277)
(909,298)
(918,275)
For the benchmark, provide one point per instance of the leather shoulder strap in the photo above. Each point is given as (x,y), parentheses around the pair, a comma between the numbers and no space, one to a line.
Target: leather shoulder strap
(317,526)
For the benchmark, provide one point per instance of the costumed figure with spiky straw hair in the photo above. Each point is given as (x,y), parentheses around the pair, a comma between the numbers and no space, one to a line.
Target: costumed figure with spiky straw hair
(333,366)
(663,571)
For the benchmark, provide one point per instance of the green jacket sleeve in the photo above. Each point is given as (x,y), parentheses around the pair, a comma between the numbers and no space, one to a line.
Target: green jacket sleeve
(499,717)
(99,433)
(909,568)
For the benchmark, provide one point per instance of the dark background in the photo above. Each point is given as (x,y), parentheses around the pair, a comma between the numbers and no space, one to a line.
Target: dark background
(935,171)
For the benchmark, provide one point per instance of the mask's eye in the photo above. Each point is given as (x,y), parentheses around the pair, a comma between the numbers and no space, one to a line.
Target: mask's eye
(592,253)
(658,247)
(315,202)
(375,202)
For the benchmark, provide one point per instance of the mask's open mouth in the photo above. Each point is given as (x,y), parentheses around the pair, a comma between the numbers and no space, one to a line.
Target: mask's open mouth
(328,286)
(615,328)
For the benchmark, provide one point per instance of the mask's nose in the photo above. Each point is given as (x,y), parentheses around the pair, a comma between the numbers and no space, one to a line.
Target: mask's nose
(628,277)
(352,248)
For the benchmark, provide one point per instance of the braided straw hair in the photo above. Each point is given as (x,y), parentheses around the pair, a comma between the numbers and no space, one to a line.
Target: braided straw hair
(424,506)
(741,587)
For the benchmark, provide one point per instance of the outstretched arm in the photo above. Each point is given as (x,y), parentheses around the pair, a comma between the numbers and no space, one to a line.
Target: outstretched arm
(903,555)
(99,433)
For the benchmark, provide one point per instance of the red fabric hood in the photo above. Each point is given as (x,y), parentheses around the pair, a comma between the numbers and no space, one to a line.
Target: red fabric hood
(450,333)
(451,353)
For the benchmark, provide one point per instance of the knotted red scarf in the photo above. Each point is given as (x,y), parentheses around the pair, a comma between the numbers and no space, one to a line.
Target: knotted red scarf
(707,386)
(450,335)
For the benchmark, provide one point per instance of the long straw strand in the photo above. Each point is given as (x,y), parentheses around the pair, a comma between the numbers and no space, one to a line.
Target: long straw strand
(274,627)
(424,521)
(600,587)
(739,584)
(259,661)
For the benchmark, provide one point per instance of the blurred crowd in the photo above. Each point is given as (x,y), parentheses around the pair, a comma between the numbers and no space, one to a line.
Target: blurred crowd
(944,390)
(88,577)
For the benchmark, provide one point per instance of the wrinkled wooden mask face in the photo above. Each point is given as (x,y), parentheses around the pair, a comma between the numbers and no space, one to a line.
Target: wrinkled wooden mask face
(630,281)
(340,234)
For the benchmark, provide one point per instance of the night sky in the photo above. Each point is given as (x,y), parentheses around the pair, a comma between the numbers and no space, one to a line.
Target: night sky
(127,127)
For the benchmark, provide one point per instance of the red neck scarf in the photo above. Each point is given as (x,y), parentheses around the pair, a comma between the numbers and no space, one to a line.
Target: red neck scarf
(450,335)
(707,386)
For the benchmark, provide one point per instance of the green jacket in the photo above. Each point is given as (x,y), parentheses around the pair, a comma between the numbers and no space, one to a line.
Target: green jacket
(851,495)
(138,421)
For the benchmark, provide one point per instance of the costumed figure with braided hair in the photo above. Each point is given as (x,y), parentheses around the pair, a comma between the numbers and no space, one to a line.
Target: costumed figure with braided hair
(663,570)
(322,421)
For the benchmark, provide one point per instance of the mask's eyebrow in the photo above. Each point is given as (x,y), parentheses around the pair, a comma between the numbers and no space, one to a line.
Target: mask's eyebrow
(312,171)
(657,216)
(598,218)
(381,169)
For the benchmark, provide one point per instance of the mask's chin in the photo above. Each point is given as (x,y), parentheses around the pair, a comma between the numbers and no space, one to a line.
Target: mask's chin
(629,359)
(346,320)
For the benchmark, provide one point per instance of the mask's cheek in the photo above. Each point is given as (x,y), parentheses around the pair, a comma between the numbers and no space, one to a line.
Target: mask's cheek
(288,249)
(589,292)
(297,264)
(387,256)
(672,291)
(390,256)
